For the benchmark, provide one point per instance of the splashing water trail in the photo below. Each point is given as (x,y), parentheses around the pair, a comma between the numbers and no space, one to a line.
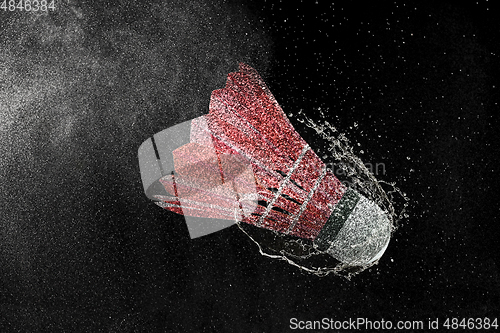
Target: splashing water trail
(336,152)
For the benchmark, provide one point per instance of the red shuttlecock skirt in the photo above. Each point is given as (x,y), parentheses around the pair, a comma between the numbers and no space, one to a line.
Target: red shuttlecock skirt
(246,162)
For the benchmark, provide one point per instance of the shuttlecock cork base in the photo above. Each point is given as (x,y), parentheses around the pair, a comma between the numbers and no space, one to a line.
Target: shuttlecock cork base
(357,232)
(244,162)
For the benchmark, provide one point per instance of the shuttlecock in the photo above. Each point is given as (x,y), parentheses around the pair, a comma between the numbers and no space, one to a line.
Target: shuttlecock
(244,162)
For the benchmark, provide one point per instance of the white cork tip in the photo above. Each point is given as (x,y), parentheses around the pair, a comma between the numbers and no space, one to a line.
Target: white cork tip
(364,237)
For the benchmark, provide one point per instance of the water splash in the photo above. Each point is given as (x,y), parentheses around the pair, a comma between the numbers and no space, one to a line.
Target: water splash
(336,151)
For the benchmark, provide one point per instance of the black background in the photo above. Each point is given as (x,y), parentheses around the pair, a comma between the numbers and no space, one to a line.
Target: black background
(83,250)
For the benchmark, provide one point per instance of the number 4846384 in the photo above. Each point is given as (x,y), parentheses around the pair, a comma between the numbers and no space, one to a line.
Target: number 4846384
(28,5)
